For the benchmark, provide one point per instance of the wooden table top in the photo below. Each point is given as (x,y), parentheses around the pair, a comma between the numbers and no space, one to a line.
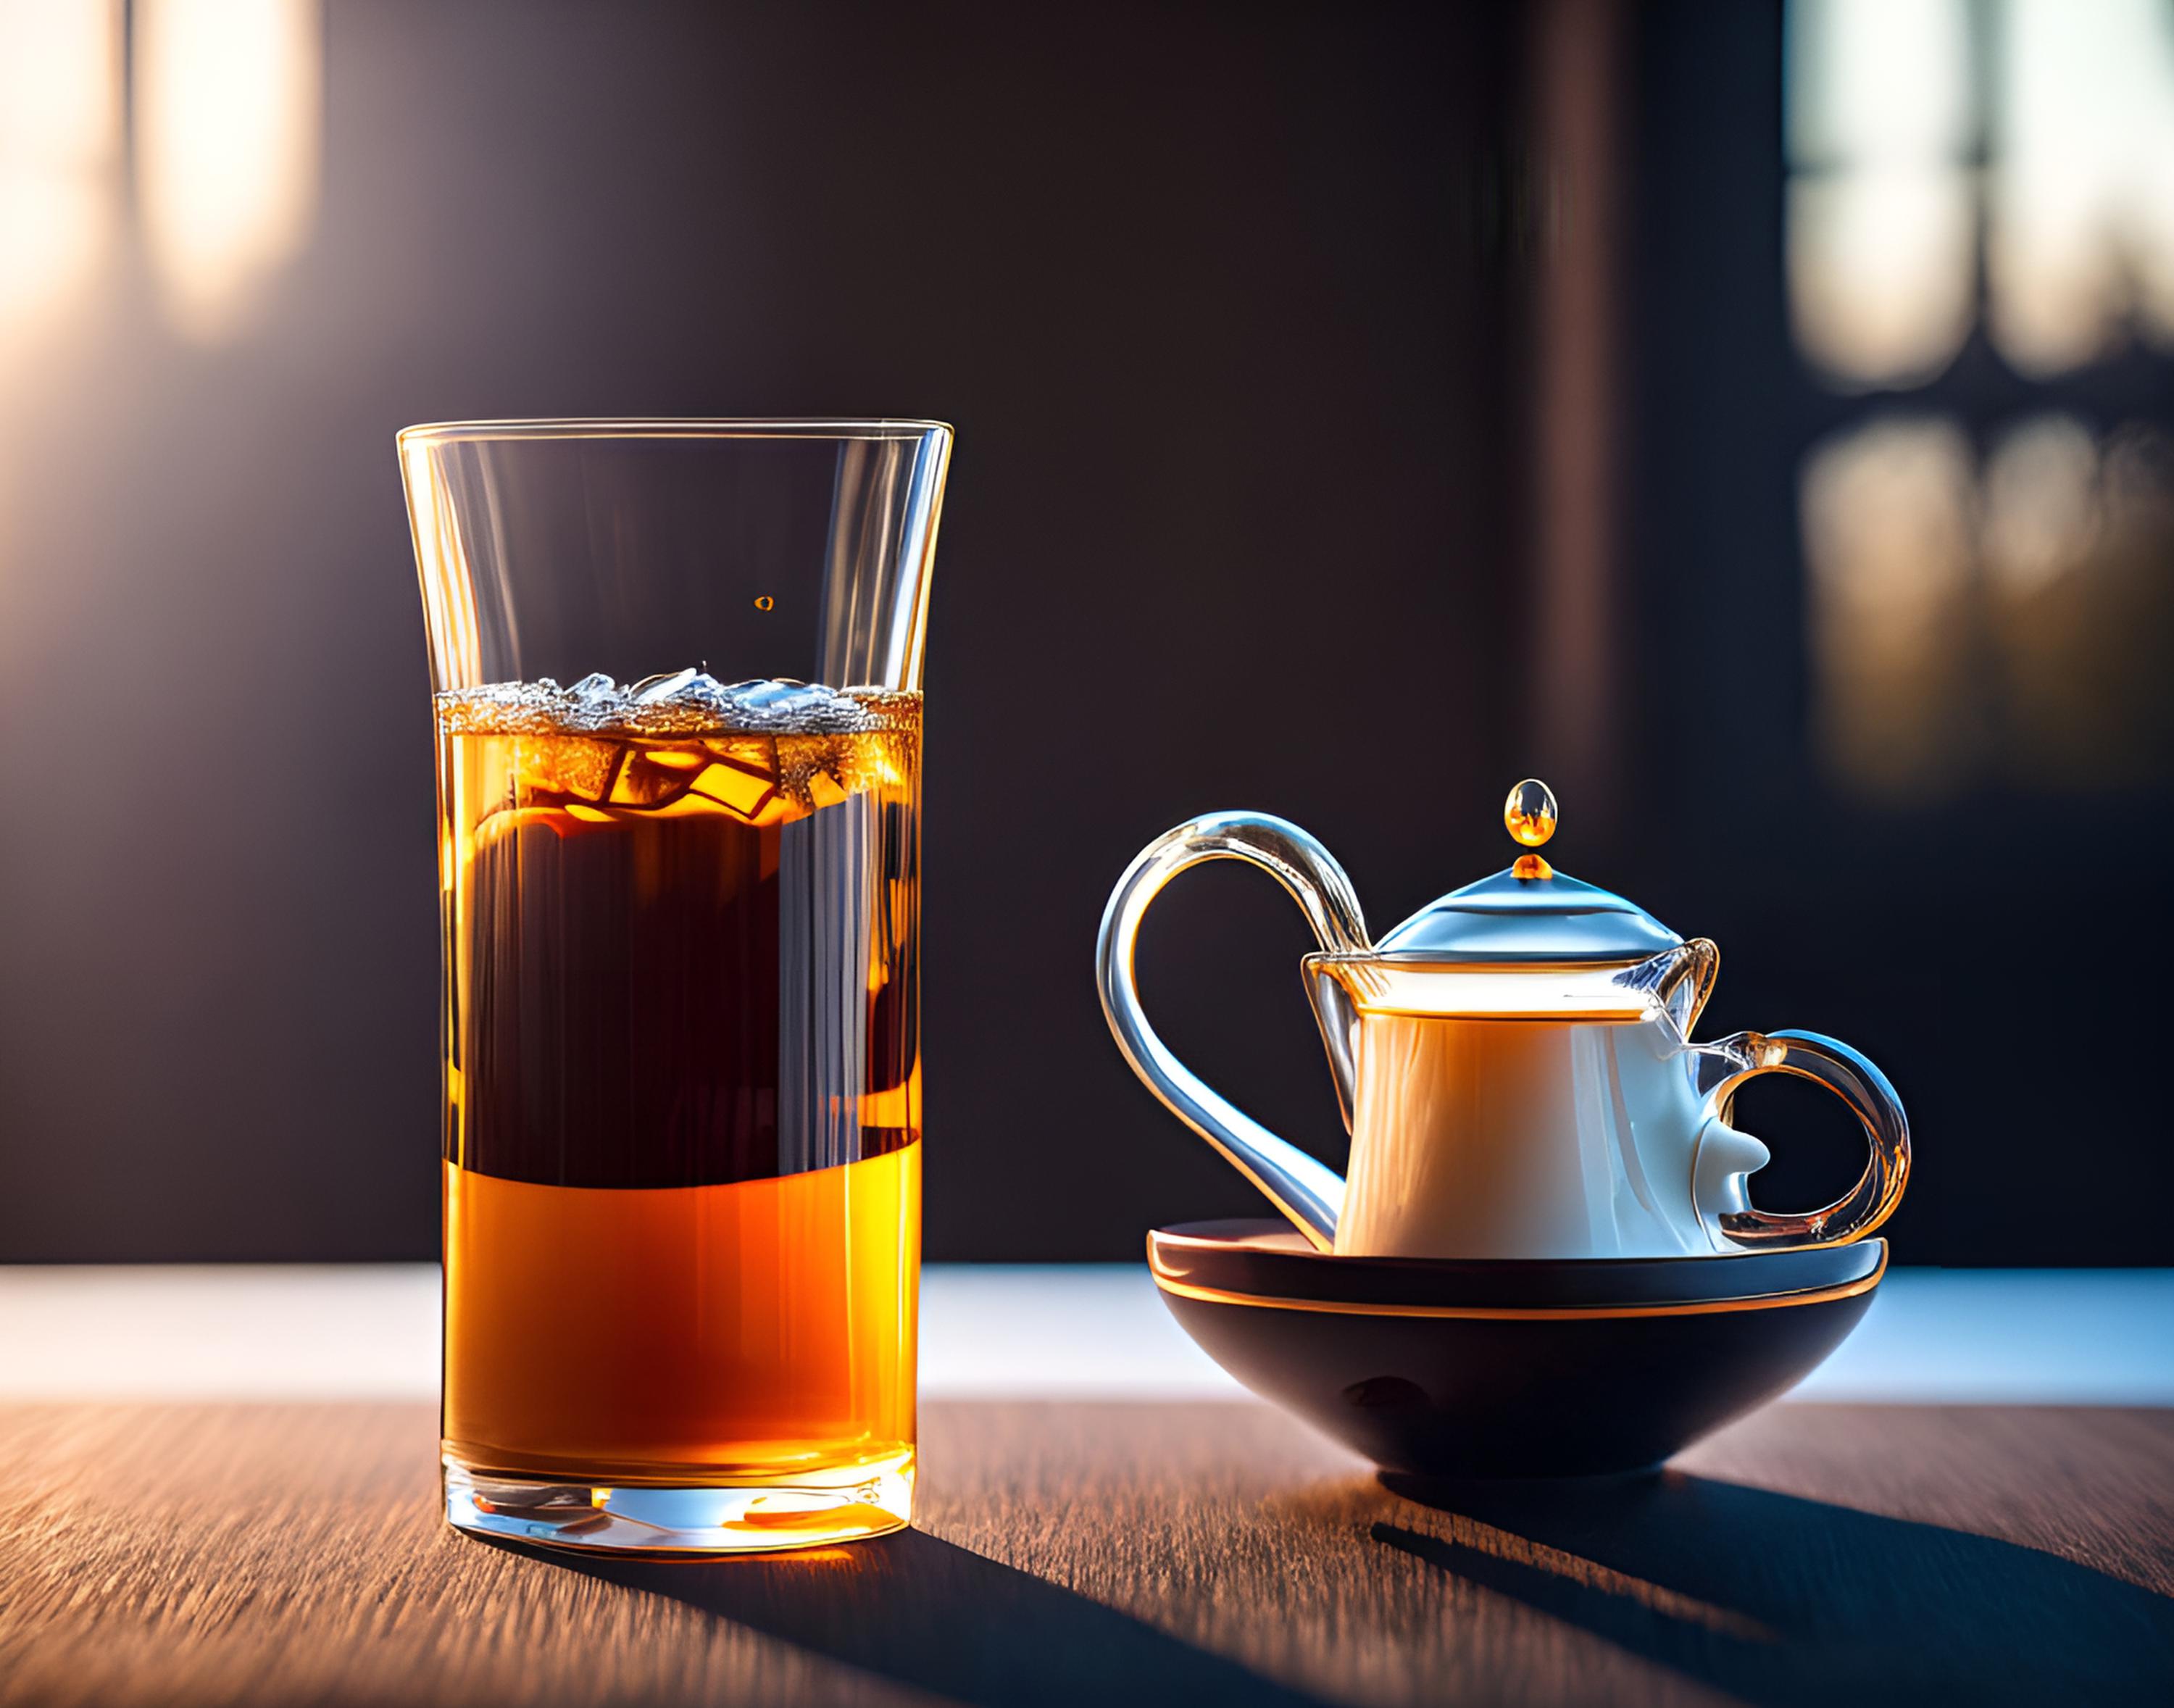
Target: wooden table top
(1131,1552)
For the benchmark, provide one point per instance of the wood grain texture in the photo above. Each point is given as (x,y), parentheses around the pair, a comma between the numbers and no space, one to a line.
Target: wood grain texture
(1118,1552)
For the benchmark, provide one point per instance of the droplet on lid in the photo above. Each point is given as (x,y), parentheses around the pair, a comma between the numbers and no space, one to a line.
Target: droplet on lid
(1530,812)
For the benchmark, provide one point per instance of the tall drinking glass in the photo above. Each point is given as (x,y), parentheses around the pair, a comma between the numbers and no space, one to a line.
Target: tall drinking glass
(677,668)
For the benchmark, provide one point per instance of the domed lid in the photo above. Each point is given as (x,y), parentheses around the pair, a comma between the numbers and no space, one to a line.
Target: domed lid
(1529,911)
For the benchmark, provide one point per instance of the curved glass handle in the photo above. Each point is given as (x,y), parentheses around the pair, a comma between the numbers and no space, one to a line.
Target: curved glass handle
(1833,1064)
(1305,1189)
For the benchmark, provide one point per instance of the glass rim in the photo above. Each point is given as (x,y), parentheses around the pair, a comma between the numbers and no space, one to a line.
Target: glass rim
(879,427)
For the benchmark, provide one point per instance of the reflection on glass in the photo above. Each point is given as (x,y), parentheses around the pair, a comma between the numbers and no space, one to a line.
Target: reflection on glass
(1876,79)
(2041,505)
(2081,234)
(1880,219)
(227,97)
(2078,538)
(60,119)
(2073,200)
(1879,271)
(2010,622)
(1887,550)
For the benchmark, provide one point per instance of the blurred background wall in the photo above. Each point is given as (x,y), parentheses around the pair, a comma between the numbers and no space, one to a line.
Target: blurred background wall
(1754,419)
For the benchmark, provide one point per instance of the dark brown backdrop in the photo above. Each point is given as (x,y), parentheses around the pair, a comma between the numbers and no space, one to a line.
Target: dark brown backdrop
(1243,315)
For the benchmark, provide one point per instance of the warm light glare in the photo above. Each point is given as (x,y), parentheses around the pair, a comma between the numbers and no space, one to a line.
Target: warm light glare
(1887,524)
(60,124)
(229,94)
(2078,537)
(2040,504)
(1976,607)
(1877,81)
(2078,183)
(1879,270)
(2004,616)
(59,94)
(1880,221)
(2082,202)
(1888,552)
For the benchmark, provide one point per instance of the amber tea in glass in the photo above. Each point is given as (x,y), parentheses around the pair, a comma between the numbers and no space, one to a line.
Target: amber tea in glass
(682,1076)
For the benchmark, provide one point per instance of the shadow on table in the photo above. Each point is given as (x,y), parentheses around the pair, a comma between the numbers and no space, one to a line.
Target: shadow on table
(1793,1603)
(941,1619)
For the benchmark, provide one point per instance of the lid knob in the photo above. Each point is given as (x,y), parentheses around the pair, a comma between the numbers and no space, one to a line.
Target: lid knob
(1530,815)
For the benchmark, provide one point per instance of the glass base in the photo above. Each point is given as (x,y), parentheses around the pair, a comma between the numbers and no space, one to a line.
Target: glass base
(813,1509)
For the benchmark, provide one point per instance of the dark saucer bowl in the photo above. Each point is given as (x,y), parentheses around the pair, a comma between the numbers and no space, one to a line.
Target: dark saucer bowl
(1266,1257)
(1448,1380)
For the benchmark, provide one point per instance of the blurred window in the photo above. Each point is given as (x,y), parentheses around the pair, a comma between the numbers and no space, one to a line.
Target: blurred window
(1981,275)
(1881,117)
(2080,216)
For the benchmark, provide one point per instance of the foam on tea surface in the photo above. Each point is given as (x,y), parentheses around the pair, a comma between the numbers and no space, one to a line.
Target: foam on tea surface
(682,702)
(766,751)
